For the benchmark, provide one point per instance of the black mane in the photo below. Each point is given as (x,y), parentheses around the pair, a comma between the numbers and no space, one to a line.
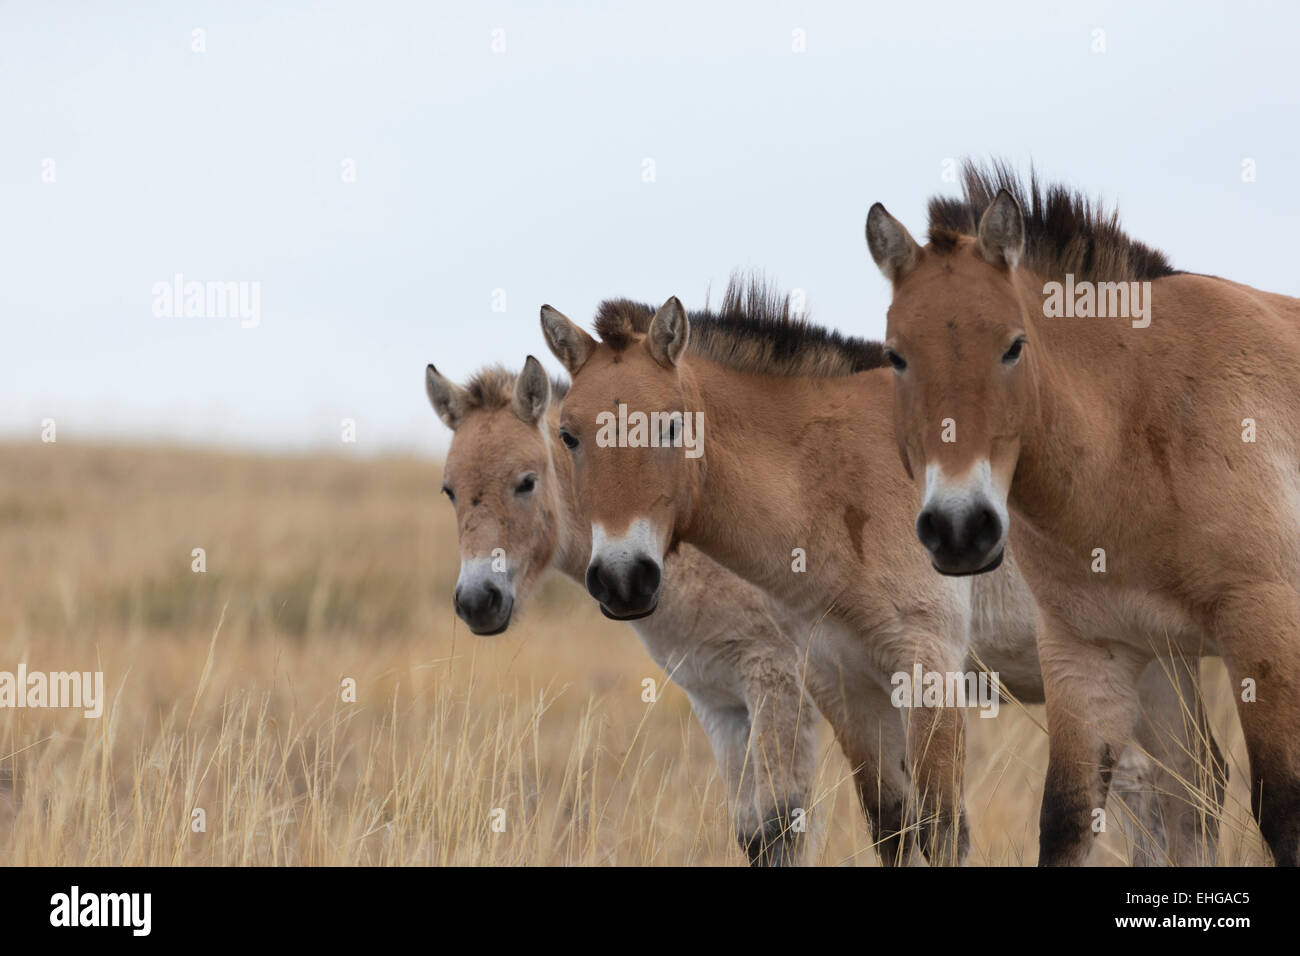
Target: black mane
(1065,230)
(753,330)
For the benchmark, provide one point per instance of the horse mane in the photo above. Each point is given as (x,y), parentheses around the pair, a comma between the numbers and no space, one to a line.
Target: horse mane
(753,330)
(493,387)
(1065,230)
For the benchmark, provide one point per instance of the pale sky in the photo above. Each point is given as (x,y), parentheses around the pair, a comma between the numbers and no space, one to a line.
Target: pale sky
(524,171)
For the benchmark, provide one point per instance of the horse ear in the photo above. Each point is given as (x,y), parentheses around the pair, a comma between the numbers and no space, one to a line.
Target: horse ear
(1002,232)
(670,330)
(891,245)
(447,398)
(532,392)
(570,344)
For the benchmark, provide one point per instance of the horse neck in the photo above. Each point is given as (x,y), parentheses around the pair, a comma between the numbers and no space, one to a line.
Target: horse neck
(573,543)
(1068,408)
(748,511)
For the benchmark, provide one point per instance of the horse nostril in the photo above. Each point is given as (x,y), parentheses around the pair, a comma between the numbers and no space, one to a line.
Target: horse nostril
(596,586)
(647,576)
(492,598)
(933,529)
(983,529)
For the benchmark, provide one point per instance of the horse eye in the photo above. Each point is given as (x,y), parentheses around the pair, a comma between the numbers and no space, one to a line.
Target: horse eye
(451,495)
(568,439)
(897,361)
(526,485)
(1012,355)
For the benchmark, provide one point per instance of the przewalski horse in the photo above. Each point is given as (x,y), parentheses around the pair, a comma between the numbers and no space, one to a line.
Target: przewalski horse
(798,453)
(1144,438)
(717,637)
(791,463)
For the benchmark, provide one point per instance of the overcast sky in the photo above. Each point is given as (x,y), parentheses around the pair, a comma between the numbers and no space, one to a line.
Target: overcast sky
(401,192)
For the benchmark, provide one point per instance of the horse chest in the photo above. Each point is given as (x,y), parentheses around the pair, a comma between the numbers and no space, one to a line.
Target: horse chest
(1100,609)
(703,657)
(1104,595)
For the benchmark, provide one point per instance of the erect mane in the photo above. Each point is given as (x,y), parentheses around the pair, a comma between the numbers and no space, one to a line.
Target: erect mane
(493,387)
(1065,230)
(752,331)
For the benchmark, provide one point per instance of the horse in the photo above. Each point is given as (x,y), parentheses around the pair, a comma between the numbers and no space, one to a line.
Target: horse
(1136,430)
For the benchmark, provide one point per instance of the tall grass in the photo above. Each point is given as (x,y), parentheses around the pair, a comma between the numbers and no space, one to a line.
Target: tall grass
(225,690)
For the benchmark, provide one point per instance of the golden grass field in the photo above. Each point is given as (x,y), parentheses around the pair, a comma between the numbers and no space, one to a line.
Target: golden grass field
(223,690)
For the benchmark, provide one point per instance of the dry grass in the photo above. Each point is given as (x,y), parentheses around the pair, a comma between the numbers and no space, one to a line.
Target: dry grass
(224,690)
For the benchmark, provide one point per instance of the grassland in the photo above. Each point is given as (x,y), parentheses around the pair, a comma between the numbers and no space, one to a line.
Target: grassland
(223,690)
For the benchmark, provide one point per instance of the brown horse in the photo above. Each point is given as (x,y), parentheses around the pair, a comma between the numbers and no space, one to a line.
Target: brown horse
(718,637)
(1138,431)
(798,490)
